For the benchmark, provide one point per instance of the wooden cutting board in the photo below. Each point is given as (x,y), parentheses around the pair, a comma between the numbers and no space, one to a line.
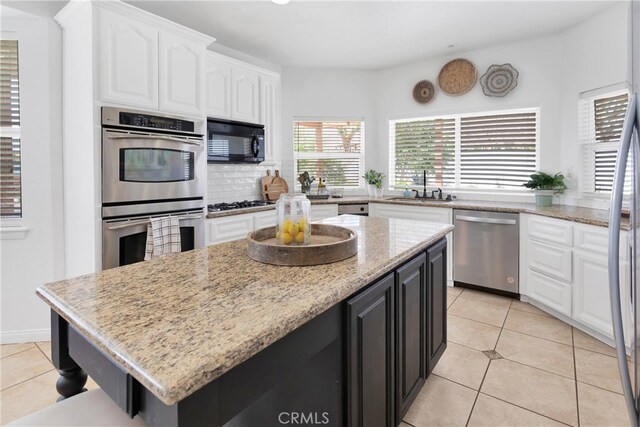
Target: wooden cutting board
(281,181)
(273,191)
(266,180)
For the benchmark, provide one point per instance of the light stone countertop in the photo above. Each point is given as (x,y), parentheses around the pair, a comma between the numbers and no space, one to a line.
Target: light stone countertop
(179,322)
(598,217)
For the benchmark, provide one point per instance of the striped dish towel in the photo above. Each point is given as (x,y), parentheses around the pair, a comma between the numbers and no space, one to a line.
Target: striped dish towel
(163,237)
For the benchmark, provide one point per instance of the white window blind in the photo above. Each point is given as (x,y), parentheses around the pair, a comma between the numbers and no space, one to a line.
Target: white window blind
(10,153)
(424,144)
(496,150)
(332,150)
(601,121)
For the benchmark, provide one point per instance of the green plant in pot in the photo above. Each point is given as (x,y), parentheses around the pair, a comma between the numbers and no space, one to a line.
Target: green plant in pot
(374,181)
(546,186)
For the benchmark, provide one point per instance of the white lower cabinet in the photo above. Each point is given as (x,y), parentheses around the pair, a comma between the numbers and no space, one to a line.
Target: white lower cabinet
(319,212)
(567,270)
(591,301)
(264,219)
(420,213)
(550,292)
(228,228)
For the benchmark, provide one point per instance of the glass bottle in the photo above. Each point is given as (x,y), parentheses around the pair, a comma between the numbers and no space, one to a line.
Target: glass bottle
(293,213)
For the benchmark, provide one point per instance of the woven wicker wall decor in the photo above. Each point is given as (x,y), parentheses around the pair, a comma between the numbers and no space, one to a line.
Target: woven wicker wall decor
(499,80)
(424,91)
(457,77)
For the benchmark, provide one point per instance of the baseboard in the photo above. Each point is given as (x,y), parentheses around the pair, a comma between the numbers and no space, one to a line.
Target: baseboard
(25,335)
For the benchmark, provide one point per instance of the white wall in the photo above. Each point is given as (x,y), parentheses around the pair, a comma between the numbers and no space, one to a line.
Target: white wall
(553,70)
(594,55)
(328,94)
(38,258)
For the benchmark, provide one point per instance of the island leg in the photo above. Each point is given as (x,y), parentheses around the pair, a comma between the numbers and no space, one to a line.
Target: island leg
(72,377)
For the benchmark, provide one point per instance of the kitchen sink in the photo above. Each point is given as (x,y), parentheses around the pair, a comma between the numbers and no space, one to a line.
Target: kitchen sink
(419,199)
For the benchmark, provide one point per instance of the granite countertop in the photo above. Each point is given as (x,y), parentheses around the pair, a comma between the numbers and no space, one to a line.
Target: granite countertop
(599,217)
(179,322)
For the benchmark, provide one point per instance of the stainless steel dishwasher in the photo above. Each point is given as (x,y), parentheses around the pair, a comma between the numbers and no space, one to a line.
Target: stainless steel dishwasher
(485,249)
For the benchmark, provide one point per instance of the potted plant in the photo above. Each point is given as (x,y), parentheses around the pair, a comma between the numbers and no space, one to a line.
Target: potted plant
(546,186)
(374,181)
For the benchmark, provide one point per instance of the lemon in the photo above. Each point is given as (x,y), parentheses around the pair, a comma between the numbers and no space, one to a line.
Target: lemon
(286,238)
(300,237)
(293,229)
(302,223)
(286,224)
(278,234)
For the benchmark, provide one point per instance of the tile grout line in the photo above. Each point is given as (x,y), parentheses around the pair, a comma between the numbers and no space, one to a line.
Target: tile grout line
(575,374)
(45,355)
(523,408)
(29,379)
(18,352)
(473,407)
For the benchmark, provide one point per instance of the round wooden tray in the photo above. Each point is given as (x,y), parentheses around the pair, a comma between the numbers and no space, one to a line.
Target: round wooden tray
(329,243)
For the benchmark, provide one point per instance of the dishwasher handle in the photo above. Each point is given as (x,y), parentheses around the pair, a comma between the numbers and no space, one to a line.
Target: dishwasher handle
(486,220)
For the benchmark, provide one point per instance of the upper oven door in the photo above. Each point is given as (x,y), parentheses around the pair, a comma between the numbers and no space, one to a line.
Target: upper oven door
(139,166)
(234,142)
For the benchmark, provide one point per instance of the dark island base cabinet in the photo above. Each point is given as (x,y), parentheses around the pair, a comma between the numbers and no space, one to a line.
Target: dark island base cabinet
(396,333)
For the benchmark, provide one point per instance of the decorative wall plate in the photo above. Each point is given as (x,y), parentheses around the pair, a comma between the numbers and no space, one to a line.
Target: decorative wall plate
(457,77)
(499,80)
(424,91)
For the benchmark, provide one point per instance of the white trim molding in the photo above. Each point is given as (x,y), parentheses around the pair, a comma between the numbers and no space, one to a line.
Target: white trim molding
(26,335)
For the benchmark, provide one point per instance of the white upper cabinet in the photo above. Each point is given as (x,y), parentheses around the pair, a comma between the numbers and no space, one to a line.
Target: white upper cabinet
(245,95)
(218,88)
(181,74)
(270,113)
(129,61)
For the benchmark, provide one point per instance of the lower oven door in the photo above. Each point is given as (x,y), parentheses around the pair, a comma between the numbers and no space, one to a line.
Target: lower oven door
(140,166)
(124,240)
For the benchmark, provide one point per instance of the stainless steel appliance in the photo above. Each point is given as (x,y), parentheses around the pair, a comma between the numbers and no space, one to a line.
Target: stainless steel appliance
(351,209)
(629,148)
(486,247)
(147,157)
(124,229)
(234,142)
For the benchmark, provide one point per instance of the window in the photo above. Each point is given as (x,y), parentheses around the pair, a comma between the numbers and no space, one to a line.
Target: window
(601,121)
(333,150)
(473,151)
(10,169)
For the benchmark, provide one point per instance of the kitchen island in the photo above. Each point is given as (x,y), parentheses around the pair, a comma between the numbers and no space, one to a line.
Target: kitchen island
(211,337)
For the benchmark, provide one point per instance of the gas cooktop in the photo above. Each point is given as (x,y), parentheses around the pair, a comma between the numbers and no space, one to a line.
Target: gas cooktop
(237,205)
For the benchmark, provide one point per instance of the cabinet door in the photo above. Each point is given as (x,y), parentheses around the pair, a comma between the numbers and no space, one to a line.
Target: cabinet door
(591,301)
(270,113)
(181,74)
(323,211)
(218,88)
(370,354)
(245,92)
(228,228)
(129,61)
(436,303)
(264,219)
(411,312)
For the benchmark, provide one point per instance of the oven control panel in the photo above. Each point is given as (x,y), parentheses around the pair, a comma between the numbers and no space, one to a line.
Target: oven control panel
(154,122)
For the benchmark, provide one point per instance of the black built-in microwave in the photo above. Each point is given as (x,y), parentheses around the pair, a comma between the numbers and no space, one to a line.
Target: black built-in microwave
(234,142)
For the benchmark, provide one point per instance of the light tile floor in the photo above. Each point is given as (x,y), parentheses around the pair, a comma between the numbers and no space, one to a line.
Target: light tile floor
(548,373)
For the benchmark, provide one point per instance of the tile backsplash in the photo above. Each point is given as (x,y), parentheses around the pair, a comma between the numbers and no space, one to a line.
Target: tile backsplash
(235,182)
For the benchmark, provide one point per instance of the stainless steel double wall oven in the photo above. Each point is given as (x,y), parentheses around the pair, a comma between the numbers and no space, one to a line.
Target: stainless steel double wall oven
(152,166)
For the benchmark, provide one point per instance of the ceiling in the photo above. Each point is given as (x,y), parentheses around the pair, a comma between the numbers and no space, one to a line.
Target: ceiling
(362,34)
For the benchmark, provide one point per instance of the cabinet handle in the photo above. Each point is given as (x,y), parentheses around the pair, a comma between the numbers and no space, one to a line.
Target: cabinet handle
(486,220)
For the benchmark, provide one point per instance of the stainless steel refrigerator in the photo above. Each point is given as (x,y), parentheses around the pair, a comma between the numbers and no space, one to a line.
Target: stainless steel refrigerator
(629,153)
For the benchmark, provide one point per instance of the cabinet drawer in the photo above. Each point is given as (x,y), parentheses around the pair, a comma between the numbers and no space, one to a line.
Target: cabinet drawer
(323,211)
(229,228)
(596,239)
(550,260)
(550,230)
(264,219)
(430,214)
(552,293)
